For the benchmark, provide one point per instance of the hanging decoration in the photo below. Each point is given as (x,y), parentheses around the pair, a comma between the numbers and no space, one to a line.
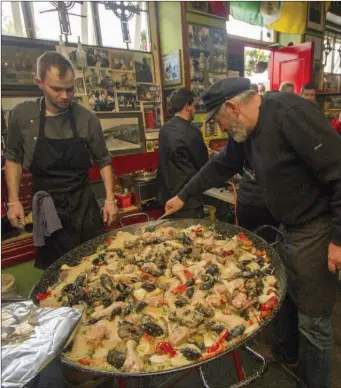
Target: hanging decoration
(63,8)
(124,10)
(327,48)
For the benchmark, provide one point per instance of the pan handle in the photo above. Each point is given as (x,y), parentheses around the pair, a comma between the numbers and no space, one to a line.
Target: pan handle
(279,237)
(132,216)
(249,379)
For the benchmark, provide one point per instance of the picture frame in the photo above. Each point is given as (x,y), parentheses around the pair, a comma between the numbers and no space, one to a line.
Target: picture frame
(316,16)
(143,63)
(318,44)
(148,92)
(123,132)
(168,112)
(171,68)
(80,88)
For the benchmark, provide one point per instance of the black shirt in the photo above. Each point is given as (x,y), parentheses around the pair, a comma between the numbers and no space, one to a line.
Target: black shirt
(182,153)
(296,156)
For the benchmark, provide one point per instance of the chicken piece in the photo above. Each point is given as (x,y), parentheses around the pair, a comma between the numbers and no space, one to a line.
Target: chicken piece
(219,288)
(173,282)
(208,242)
(231,245)
(103,312)
(178,270)
(96,333)
(234,285)
(230,321)
(264,297)
(140,294)
(130,268)
(246,256)
(179,335)
(198,296)
(134,319)
(270,280)
(198,268)
(214,300)
(192,235)
(133,362)
(209,258)
(150,268)
(230,269)
(240,300)
(114,340)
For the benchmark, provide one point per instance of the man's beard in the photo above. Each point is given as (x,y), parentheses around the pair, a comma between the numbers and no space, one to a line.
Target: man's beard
(238,131)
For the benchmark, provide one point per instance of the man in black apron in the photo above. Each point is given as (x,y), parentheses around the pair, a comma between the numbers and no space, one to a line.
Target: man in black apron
(57,140)
(295,155)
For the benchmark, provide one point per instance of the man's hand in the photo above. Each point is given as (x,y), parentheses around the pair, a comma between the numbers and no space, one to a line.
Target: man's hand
(110,212)
(174,205)
(334,257)
(16,215)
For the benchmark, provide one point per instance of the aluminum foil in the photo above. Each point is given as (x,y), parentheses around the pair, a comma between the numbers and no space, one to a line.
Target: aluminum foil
(31,337)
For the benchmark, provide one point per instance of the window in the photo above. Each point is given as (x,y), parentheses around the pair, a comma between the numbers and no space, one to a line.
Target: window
(12,19)
(138,28)
(332,61)
(249,31)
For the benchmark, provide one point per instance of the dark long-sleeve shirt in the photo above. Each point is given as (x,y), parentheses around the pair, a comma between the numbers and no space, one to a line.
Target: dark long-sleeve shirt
(23,131)
(182,153)
(296,156)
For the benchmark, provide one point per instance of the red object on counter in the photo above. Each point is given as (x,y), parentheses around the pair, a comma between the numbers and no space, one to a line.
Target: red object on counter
(150,120)
(124,200)
(335,123)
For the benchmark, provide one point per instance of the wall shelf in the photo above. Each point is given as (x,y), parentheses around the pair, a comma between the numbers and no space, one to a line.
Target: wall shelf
(326,93)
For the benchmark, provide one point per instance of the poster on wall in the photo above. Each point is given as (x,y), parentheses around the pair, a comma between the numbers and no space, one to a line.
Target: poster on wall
(124,81)
(101,100)
(171,68)
(147,92)
(123,133)
(121,61)
(127,102)
(143,67)
(80,89)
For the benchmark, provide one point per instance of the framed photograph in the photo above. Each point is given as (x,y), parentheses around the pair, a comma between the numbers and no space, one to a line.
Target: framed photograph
(101,100)
(80,89)
(150,146)
(127,102)
(168,106)
(318,45)
(19,67)
(171,66)
(198,37)
(143,67)
(96,77)
(97,57)
(124,81)
(121,61)
(123,133)
(147,92)
(315,17)
(198,6)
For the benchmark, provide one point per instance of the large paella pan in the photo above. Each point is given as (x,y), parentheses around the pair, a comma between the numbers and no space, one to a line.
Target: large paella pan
(164,297)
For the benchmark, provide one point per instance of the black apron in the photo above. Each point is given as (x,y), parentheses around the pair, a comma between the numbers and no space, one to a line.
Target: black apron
(60,167)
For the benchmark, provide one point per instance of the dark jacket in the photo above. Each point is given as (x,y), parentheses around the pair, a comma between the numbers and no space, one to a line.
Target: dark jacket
(296,156)
(182,153)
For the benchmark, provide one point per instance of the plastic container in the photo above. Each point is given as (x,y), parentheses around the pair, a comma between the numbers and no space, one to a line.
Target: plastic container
(124,200)
(8,286)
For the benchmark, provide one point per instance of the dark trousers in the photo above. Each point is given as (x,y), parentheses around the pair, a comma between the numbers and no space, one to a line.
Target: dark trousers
(303,325)
(252,217)
(189,213)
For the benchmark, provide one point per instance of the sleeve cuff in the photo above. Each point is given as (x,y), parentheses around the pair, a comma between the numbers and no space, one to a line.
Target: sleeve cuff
(336,238)
(105,161)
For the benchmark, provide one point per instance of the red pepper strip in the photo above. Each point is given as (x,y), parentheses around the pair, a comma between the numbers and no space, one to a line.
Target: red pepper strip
(269,304)
(218,345)
(228,253)
(265,314)
(43,295)
(242,236)
(108,241)
(147,337)
(165,303)
(165,347)
(147,277)
(179,289)
(250,322)
(85,361)
(188,274)
(198,230)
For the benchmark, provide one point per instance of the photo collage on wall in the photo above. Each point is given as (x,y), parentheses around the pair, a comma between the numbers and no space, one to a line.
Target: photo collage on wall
(114,81)
(208,58)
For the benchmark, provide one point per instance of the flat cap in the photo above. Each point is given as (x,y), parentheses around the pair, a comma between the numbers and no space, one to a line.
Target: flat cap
(222,91)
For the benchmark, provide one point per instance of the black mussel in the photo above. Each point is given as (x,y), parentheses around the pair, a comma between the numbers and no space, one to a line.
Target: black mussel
(128,309)
(218,328)
(181,302)
(212,269)
(68,347)
(206,277)
(207,285)
(185,251)
(120,253)
(235,332)
(152,329)
(106,282)
(106,300)
(151,241)
(122,296)
(72,299)
(116,358)
(121,287)
(190,354)
(94,320)
(99,259)
(128,331)
(190,292)
(190,282)
(148,287)
(187,240)
(68,288)
(205,311)
(94,269)
(81,280)
(116,311)
(80,294)
(146,319)
(139,306)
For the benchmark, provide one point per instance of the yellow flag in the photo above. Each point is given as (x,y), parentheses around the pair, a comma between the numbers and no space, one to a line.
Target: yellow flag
(293,18)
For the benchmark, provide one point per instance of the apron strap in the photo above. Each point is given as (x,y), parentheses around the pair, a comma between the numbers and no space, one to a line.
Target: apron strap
(43,119)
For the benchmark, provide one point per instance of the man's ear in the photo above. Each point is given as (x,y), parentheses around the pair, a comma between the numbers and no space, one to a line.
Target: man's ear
(231,106)
(39,83)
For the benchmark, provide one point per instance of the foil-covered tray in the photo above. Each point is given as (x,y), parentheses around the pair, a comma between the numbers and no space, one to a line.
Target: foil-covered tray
(31,337)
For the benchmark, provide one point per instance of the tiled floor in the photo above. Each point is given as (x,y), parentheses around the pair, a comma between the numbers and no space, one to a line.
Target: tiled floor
(220,373)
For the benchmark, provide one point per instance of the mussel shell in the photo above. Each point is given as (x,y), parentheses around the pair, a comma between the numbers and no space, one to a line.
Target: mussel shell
(212,269)
(190,292)
(190,354)
(190,282)
(139,306)
(116,311)
(148,287)
(68,288)
(80,280)
(106,300)
(106,282)
(116,358)
(235,332)
(181,302)
(207,285)
(152,329)
(121,287)
(205,311)
(185,251)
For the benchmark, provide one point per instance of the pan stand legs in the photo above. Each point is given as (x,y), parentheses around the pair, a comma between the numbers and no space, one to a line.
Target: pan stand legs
(242,382)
